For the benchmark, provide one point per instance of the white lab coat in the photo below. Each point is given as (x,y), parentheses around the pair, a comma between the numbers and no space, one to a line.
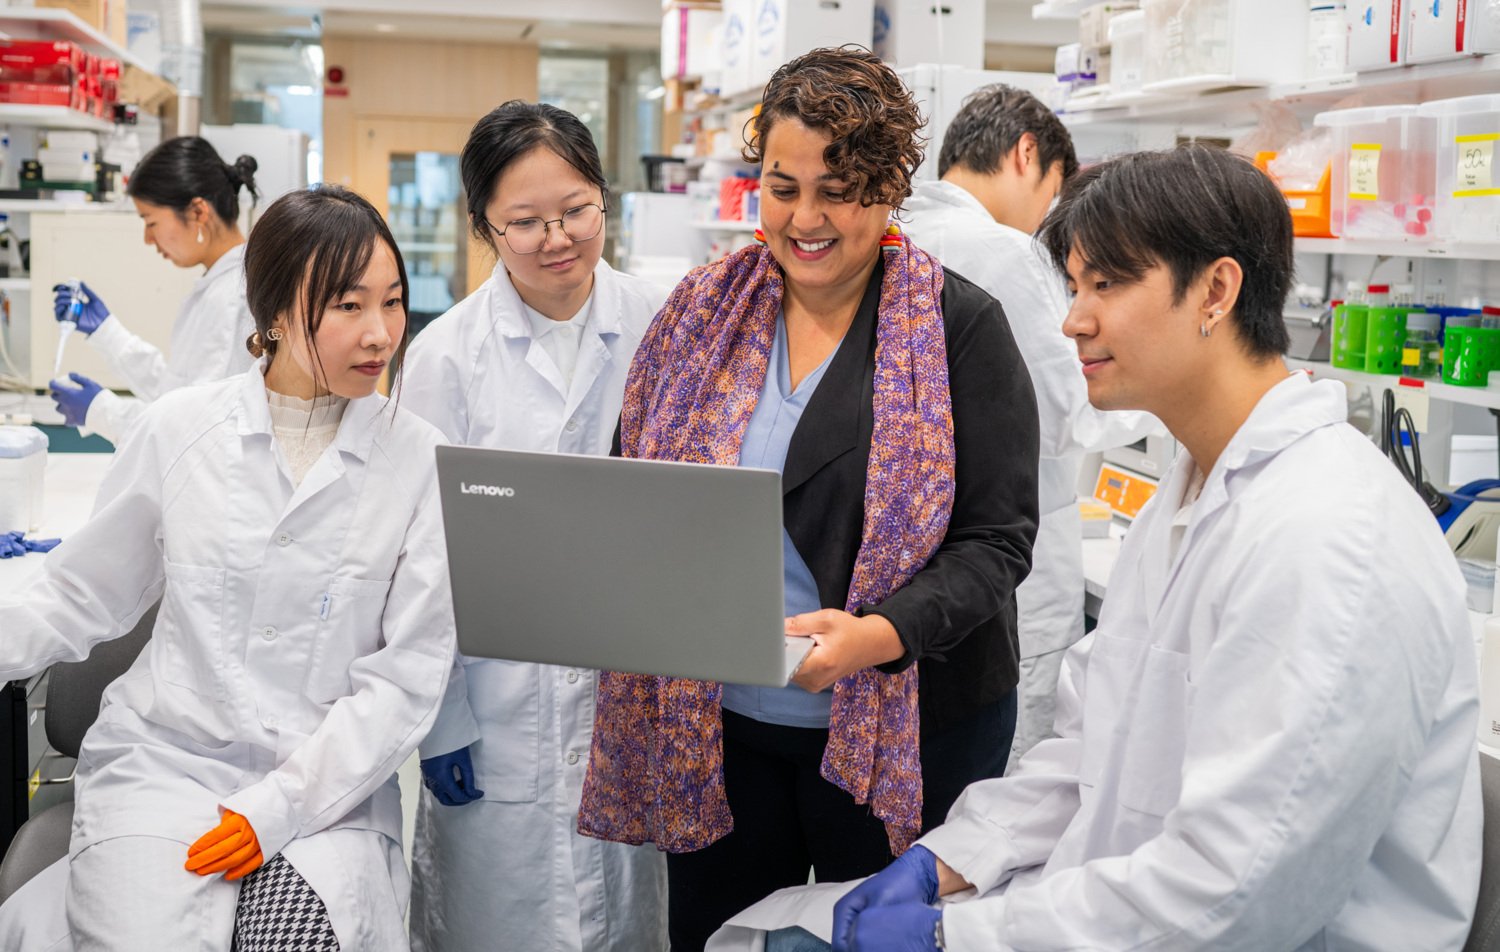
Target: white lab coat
(208,343)
(1268,743)
(301,651)
(514,864)
(949,222)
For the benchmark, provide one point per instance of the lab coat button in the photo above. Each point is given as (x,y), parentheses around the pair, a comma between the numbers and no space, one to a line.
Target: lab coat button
(572,757)
(572,426)
(272,722)
(268,633)
(283,539)
(572,677)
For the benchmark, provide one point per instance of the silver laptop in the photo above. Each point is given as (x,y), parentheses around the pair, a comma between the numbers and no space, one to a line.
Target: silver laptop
(618,564)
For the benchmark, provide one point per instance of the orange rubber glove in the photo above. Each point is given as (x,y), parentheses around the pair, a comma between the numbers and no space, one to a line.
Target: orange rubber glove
(229,848)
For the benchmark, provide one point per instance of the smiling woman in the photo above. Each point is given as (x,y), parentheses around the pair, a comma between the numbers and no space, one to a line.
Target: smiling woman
(879,384)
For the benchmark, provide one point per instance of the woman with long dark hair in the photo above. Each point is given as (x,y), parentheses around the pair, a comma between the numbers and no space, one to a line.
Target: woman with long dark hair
(188,200)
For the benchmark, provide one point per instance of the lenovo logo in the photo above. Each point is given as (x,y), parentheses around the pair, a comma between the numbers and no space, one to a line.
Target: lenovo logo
(475,489)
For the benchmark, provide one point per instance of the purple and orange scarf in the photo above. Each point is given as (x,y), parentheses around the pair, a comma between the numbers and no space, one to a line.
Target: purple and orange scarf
(656,768)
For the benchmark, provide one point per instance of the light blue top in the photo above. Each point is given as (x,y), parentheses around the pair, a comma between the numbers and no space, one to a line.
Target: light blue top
(766,439)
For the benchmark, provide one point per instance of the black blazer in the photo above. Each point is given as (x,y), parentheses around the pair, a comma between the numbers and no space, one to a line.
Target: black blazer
(958,614)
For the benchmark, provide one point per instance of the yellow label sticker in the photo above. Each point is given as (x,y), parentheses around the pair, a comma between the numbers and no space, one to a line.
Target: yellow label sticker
(1364,171)
(1476,166)
(34,784)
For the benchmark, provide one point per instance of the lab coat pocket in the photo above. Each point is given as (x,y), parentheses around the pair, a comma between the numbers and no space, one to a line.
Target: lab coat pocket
(1151,768)
(186,645)
(506,698)
(350,613)
(1112,666)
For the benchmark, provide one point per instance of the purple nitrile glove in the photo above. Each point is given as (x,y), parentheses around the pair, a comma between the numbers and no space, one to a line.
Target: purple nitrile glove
(912,878)
(73,402)
(908,927)
(14,544)
(450,777)
(90,311)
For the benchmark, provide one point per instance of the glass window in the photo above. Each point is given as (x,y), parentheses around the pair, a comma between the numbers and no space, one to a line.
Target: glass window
(427,218)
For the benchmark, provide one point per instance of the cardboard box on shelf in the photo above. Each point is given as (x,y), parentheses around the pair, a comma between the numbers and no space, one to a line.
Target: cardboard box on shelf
(147,90)
(106,16)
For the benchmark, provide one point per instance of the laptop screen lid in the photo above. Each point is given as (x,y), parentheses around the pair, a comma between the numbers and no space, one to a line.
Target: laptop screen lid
(618,564)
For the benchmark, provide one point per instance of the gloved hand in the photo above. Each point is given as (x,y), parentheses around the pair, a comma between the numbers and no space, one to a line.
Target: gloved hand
(15,544)
(229,848)
(73,402)
(912,878)
(92,313)
(450,777)
(908,927)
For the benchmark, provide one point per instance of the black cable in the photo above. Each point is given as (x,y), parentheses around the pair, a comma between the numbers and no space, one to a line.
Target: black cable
(1393,423)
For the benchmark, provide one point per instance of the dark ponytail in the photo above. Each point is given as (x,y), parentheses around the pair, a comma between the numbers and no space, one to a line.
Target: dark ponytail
(188,167)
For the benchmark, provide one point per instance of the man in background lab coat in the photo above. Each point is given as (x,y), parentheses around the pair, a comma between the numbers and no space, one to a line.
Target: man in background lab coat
(1004,157)
(1268,742)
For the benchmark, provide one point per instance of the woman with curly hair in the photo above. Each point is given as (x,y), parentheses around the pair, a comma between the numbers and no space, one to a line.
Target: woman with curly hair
(891,396)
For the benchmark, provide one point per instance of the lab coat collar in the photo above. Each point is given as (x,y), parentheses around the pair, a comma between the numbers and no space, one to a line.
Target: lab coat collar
(509,311)
(931,195)
(231,260)
(357,429)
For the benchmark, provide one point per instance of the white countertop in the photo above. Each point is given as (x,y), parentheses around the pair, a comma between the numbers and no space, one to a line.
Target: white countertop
(72,481)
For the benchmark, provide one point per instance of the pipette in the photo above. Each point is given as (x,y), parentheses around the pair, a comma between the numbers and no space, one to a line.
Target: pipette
(66,328)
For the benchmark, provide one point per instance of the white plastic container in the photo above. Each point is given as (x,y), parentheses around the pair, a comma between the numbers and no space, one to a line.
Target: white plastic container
(782,30)
(735,76)
(1327,40)
(23,466)
(910,32)
(689,39)
(1383,176)
(1484,26)
(1451,29)
(1205,44)
(1127,40)
(1377,33)
(1468,180)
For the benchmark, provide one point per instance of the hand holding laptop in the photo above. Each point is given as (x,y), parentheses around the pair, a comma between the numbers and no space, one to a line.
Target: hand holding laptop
(842,644)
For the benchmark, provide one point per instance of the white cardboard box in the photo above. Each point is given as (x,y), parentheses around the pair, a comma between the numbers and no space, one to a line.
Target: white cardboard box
(1378,31)
(735,53)
(689,40)
(910,32)
(782,30)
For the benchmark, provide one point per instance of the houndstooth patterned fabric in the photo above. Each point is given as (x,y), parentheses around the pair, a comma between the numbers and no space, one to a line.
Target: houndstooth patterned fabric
(279,912)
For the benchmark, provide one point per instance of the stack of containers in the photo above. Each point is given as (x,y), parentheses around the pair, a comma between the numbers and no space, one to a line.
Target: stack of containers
(1467,205)
(1201,44)
(1383,172)
(44,74)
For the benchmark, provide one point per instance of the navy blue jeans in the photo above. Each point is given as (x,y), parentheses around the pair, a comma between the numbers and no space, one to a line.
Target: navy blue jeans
(789,820)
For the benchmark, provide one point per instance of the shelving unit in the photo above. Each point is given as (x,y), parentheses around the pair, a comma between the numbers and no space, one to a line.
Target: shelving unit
(725,226)
(1487,397)
(1396,248)
(57,117)
(35,23)
(21,206)
(10,285)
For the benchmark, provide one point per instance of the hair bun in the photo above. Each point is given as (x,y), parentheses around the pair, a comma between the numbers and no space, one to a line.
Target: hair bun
(243,173)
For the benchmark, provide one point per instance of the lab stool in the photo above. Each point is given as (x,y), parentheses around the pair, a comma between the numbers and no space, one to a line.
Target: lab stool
(74,691)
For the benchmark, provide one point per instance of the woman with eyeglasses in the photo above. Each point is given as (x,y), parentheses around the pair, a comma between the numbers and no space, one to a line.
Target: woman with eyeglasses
(534,360)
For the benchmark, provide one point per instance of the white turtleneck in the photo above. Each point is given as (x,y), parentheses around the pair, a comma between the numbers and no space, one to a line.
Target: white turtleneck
(304,428)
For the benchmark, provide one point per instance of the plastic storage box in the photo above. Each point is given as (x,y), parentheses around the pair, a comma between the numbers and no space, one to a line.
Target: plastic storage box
(1468,180)
(1204,44)
(1127,39)
(782,30)
(23,464)
(1448,29)
(1383,176)
(1378,31)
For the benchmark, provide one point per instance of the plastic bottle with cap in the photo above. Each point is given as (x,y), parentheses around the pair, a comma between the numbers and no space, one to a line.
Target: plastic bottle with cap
(1420,356)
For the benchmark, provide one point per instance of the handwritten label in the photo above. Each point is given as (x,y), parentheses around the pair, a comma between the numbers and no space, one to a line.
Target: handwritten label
(1476,166)
(1364,171)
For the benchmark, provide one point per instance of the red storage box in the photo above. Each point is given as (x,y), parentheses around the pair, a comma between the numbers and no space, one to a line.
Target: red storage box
(31,61)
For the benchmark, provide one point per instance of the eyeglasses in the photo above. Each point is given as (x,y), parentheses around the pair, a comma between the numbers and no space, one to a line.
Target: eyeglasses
(525,236)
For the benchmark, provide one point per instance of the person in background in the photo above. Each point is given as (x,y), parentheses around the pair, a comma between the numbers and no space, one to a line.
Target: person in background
(891,396)
(1004,157)
(533,360)
(1268,742)
(188,198)
(238,789)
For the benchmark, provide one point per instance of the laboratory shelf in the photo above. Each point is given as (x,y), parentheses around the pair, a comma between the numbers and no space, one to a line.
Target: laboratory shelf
(1488,397)
(1229,107)
(21,206)
(57,117)
(1398,248)
(725,226)
(39,23)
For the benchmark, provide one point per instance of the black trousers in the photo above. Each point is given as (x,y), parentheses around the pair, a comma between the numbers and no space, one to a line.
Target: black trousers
(788,819)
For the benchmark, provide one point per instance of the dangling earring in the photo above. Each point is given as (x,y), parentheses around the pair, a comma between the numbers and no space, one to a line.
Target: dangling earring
(274,334)
(760,236)
(1204,329)
(200,236)
(892,237)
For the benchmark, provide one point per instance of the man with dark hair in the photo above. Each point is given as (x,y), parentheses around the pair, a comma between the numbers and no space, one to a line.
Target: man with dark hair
(1268,742)
(1004,157)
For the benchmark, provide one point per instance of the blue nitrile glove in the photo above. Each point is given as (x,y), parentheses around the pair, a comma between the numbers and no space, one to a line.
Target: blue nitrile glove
(73,402)
(908,927)
(912,878)
(15,543)
(450,777)
(92,313)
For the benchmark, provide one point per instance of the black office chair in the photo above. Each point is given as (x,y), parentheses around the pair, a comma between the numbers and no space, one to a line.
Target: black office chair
(1485,934)
(74,691)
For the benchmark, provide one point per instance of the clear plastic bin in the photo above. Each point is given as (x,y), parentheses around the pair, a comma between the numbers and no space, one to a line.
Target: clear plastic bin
(1127,65)
(1468,178)
(1203,44)
(1384,179)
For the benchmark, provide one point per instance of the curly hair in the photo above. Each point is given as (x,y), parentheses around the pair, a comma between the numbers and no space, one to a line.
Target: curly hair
(851,94)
